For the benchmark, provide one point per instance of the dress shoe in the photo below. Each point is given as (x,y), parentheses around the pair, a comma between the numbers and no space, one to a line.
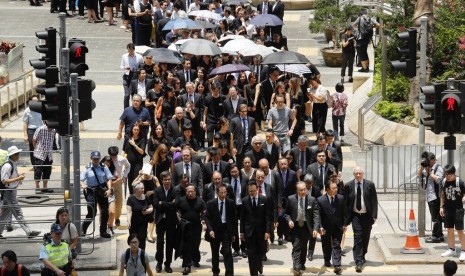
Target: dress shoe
(236,254)
(310,257)
(296,272)
(117,222)
(9,228)
(265,258)
(327,264)
(358,268)
(260,270)
(351,80)
(105,235)
(244,254)
(168,269)
(303,268)
(196,264)
(280,241)
(186,271)
(337,270)
(158,268)
(33,234)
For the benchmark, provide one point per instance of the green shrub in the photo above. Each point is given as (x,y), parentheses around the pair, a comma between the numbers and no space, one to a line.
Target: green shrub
(397,112)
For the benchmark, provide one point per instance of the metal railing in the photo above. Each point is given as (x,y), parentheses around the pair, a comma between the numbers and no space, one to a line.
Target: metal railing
(367,106)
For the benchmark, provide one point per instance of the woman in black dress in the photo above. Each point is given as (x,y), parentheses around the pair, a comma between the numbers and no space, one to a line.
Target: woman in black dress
(157,137)
(139,210)
(299,128)
(161,161)
(134,147)
(166,105)
(254,107)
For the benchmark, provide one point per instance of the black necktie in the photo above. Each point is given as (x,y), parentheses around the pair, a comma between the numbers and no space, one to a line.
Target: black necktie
(221,209)
(187,170)
(302,161)
(333,204)
(235,186)
(254,203)
(216,167)
(321,175)
(359,197)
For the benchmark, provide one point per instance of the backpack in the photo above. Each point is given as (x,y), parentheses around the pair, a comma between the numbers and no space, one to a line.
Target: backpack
(2,186)
(141,256)
(20,270)
(366,26)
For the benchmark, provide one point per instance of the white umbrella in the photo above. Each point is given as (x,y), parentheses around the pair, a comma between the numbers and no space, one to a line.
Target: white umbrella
(227,38)
(258,49)
(238,45)
(141,49)
(175,46)
(206,14)
(298,69)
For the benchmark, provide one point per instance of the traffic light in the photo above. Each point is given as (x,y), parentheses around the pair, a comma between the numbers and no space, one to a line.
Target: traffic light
(409,53)
(50,46)
(86,104)
(55,107)
(49,74)
(451,111)
(77,56)
(432,105)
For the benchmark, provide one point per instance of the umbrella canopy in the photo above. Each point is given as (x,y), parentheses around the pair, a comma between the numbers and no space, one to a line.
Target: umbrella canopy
(141,49)
(206,14)
(235,2)
(229,68)
(238,45)
(181,23)
(205,24)
(285,57)
(258,50)
(163,55)
(227,38)
(298,69)
(200,47)
(263,20)
(223,51)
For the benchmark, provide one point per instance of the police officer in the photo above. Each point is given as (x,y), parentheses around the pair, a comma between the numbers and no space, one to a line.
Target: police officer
(55,255)
(96,181)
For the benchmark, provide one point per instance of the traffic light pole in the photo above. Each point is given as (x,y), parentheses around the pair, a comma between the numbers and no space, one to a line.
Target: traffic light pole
(62,33)
(76,156)
(421,127)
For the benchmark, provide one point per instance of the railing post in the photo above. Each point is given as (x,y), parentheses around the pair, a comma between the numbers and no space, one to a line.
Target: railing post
(9,104)
(17,98)
(25,94)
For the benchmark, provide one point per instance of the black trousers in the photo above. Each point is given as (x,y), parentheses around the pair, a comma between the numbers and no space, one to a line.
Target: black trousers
(363,49)
(319,113)
(165,231)
(30,136)
(145,32)
(139,227)
(435,218)
(347,61)
(239,244)
(81,5)
(255,252)
(331,242)
(133,173)
(299,238)
(283,227)
(223,238)
(361,224)
(311,245)
(191,252)
(240,156)
(102,203)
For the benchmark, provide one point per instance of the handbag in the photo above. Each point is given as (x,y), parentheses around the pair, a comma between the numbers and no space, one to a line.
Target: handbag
(101,188)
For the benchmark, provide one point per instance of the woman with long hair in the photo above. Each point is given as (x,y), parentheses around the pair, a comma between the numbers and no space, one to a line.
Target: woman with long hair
(168,78)
(295,92)
(161,161)
(157,137)
(247,170)
(139,209)
(254,107)
(225,134)
(280,89)
(222,28)
(201,77)
(242,81)
(166,105)
(134,147)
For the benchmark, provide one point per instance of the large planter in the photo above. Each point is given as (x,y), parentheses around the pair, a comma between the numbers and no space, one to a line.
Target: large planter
(332,57)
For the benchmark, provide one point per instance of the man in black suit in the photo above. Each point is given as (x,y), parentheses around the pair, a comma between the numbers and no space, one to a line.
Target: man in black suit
(166,220)
(160,34)
(331,155)
(215,165)
(160,13)
(141,85)
(231,105)
(174,125)
(316,193)
(268,85)
(197,100)
(242,128)
(238,182)
(319,169)
(362,204)
(256,226)
(333,224)
(186,74)
(190,168)
(264,7)
(335,145)
(303,218)
(272,148)
(221,221)
(209,191)
(303,155)
(277,9)
(257,152)
(289,182)
(259,69)
(191,209)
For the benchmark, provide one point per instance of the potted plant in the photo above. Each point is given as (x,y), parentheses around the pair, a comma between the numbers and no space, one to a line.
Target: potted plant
(332,19)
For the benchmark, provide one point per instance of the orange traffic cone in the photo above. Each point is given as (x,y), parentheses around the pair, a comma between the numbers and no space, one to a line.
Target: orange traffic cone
(412,243)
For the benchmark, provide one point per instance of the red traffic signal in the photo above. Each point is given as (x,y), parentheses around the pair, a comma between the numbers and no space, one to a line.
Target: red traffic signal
(451,114)
(77,56)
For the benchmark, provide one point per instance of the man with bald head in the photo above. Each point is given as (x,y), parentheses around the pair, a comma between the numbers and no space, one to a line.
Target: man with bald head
(362,203)
(174,125)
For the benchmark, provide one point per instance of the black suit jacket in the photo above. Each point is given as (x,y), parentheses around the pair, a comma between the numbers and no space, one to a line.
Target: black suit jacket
(266,90)
(172,129)
(160,33)
(337,146)
(256,156)
(243,182)
(370,199)
(182,78)
(224,169)
(229,109)
(288,188)
(258,220)
(198,105)
(314,170)
(309,158)
(316,193)
(133,86)
(157,17)
(196,175)
(209,192)
(165,206)
(263,72)
(332,218)
(213,218)
(278,10)
(260,7)
(238,132)
(312,213)
(334,160)
(274,154)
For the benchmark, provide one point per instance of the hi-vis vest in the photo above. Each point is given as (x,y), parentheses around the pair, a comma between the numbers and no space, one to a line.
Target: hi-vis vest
(58,255)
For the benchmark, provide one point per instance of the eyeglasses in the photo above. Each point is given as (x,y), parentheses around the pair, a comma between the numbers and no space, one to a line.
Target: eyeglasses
(257,144)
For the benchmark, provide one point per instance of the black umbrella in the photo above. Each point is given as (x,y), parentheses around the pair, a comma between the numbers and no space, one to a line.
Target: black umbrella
(162,55)
(285,57)
(229,68)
